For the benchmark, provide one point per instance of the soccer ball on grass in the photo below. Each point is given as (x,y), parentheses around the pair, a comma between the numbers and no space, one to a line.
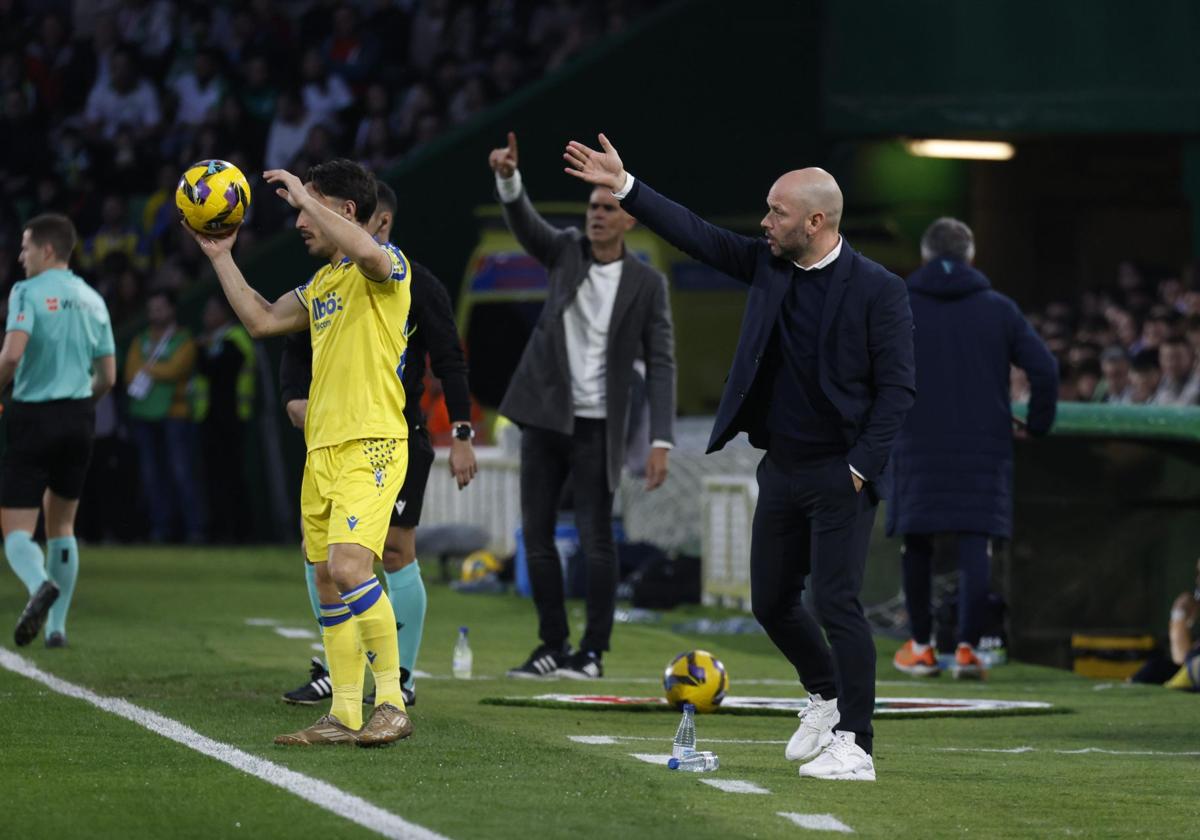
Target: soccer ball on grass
(696,677)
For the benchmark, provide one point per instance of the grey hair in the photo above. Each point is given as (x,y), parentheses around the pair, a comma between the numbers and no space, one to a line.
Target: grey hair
(948,237)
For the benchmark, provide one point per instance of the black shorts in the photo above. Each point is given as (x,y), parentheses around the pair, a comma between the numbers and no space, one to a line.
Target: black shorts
(407,512)
(49,446)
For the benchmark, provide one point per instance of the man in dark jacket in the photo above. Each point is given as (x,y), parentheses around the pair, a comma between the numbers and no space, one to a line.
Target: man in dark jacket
(953,459)
(821,379)
(570,395)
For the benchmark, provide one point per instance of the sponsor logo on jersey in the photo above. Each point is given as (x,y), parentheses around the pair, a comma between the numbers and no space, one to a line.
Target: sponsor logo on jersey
(52,304)
(324,308)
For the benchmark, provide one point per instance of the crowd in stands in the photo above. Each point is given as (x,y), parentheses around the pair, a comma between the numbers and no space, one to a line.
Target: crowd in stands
(103,102)
(1136,343)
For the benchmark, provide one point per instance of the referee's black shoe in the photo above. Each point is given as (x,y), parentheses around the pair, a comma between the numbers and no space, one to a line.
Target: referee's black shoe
(34,614)
(543,663)
(317,688)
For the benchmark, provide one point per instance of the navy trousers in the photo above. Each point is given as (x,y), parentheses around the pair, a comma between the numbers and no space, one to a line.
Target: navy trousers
(812,528)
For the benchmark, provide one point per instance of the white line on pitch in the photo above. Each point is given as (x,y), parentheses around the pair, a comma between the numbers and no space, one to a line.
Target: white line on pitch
(1083,751)
(614,739)
(735,786)
(817,822)
(321,794)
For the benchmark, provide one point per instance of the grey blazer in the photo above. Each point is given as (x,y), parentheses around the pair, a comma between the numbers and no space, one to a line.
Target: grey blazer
(539,394)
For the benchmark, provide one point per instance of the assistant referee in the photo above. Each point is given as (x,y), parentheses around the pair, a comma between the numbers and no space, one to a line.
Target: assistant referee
(59,347)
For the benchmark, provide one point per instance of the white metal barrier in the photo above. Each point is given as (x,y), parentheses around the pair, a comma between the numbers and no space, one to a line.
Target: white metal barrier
(728,503)
(492,500)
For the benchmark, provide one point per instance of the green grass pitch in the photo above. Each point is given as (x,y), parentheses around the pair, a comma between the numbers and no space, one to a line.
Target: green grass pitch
(167,630)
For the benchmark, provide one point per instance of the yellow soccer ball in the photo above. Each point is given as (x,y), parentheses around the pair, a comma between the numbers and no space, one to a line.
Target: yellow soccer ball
(696,677)
(213,197)
(477,565)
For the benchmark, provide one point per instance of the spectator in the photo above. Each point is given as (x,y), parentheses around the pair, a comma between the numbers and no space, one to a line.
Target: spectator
(258,94)
(1179,667)
(1145,379)
(1180,384)
(325,94)
(952,461)
(224,405)
(1155,330)
(158,368)
(348,52)
(200,90)
(123,100)
(1116,386)
(115,235)
(53,66)
(151,25)
(289,130)
(1086,380)
(1191,332)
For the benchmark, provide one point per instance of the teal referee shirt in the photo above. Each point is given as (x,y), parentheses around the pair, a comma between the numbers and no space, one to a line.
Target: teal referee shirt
(68,327)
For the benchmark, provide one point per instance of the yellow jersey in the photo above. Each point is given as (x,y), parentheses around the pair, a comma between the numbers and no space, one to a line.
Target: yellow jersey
(359,333)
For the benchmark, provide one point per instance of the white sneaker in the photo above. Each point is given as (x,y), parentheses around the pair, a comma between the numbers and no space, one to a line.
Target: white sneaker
(842,759)
(815,730)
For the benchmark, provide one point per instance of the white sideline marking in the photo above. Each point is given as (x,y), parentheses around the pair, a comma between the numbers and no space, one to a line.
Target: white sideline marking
(613,739)
(261,622)
(1083,751)
(295,633)
(653,758)
(817,822)
(735,786)
(321,794)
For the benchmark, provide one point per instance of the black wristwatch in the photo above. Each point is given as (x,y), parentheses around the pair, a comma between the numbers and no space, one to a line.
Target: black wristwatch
(463,431)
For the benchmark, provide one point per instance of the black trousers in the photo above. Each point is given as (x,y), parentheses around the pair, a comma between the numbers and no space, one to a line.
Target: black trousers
(974,556)
(811,524)
(547,459)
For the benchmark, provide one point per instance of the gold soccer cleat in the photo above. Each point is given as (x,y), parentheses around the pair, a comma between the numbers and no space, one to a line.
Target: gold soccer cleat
(386,724)
(327,731)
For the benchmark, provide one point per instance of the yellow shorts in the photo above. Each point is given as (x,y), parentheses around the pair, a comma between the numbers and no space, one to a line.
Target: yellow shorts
(348,492)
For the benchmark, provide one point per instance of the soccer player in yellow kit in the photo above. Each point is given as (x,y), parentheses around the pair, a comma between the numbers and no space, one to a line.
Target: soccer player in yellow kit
(355,431)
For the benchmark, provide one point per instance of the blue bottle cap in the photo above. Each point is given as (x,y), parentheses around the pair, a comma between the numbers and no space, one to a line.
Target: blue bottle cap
(688,707)
(462,630)
(673,764)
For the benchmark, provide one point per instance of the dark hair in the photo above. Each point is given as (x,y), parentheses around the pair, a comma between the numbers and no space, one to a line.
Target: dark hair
(1146,360)
(1088,367)
(347,180)
(163,292)
(55,230)
(948,237)
(385,197)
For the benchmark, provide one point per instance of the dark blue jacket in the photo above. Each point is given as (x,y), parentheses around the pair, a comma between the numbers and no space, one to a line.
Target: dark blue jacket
(953,460)
(866,340)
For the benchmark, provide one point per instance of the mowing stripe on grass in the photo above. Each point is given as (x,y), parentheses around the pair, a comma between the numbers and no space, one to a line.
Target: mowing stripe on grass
(321,794)
(817,822)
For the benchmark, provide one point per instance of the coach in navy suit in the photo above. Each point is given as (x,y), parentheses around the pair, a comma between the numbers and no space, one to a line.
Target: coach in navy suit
(822,379)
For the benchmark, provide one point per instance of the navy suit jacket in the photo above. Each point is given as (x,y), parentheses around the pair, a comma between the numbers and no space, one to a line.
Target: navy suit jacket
(866,339)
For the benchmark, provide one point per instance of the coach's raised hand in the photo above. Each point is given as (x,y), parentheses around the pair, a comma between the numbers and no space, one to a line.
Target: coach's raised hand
(504,161)
(603,169)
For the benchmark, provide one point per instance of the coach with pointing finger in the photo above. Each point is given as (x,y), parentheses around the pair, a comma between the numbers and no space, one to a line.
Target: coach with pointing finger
(822,379)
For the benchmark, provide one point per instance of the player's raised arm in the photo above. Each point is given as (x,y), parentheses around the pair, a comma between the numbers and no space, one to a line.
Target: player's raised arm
(260,316)
(348,238)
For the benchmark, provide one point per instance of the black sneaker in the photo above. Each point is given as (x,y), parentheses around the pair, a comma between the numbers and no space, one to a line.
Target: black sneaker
(56,640)
(542,663)
(409,694)
(317,688)
(34,614)
(582,665)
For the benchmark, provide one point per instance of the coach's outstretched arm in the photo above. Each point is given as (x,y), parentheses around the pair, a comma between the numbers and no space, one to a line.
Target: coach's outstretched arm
(724,250)
(260,316)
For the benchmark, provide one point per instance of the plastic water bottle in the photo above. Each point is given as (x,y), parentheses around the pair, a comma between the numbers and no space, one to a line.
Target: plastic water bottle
(697,762)
(685,736)
(461,666)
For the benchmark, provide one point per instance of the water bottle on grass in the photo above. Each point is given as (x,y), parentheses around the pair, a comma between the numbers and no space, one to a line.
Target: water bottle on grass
(685,736)
(696,762)
(461,666)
